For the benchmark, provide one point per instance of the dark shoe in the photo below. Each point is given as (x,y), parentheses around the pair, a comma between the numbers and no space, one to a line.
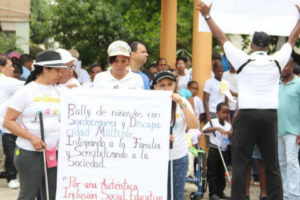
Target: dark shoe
(262,198)
(3,174)
(224,196)
(214,197)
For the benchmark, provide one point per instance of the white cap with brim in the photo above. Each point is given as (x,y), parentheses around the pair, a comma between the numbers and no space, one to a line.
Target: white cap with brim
(49,59)
(119,48)
(66,55)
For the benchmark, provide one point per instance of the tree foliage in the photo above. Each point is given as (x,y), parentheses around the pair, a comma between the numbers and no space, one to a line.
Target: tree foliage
(40,18)
(8,43)
(87,25)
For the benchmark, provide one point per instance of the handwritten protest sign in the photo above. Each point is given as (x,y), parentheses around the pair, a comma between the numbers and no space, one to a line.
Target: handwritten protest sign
(114,145)
(276,17)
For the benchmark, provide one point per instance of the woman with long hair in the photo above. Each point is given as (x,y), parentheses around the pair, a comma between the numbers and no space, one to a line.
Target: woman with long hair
(38,95)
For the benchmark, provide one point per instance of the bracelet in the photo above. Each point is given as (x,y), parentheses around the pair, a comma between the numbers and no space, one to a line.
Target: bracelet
(182,106)
(207,17)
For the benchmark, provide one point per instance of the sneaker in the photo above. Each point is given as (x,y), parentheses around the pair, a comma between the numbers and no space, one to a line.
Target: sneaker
(13,184)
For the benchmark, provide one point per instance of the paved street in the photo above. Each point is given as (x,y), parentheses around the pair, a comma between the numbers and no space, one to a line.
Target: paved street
(11,194)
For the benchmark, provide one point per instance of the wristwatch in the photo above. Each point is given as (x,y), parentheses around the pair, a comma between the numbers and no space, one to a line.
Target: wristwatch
(207,17)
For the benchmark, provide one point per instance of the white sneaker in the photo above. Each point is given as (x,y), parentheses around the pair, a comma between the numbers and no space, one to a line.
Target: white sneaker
(13,184)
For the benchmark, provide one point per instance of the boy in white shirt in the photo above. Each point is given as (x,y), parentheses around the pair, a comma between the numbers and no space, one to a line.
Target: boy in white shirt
(219,131)
(214,91)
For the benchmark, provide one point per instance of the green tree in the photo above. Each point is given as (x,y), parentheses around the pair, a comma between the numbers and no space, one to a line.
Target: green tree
(89,26)
(40,18)
(185,12)
(8,43)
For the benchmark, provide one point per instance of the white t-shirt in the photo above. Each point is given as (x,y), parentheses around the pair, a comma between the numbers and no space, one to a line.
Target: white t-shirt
(8,86)
(199,108)
(231,78)
(258,82)
(31,99)
(180,148)
(215,89)
(183,81)
(220,139)
(83,76)
(108,81)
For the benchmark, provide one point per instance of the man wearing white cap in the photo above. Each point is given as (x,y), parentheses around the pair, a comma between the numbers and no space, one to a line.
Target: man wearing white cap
(118,76)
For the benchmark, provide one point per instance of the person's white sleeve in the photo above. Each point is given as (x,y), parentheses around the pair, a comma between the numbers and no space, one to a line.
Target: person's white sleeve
(283,55)
(140,83)
(201,106)
(97,80)
(207,125)
(13,86)
(84,76)
(18,100)
(235,56)
(207,87)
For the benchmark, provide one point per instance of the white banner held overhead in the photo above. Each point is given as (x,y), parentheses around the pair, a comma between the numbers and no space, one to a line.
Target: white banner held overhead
(275,17)
(114,144)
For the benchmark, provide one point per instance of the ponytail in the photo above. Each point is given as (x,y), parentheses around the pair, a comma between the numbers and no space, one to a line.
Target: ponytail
(3,60)
(34,74)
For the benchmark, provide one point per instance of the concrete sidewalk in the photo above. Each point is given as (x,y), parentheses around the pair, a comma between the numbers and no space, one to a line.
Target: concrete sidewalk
(12,194)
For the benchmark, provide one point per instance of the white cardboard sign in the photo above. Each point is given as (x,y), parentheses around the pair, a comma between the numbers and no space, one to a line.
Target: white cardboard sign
(275,17)
(114,144)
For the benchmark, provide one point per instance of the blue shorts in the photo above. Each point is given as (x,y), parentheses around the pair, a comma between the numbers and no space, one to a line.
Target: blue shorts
(256,152)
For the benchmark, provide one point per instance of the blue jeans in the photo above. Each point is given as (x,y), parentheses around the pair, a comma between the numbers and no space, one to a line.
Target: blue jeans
(180,167)
(289,166)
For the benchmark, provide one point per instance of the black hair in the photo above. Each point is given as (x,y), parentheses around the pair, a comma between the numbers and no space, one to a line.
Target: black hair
(134,45)
(25,58)
(17,67)
(152,65)
(297,70)
(217,64)
(183,58)
(34,74)
(112,59)
(96,65)
(221,105)
(216,56)
(160,60)
(190,83)
(3,60)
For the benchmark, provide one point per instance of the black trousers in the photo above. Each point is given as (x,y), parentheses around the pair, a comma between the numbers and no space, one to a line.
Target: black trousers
(216,172)
(260,127)
(9,145)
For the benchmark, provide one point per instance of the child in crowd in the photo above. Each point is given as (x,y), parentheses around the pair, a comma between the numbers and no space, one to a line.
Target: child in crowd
(194,134)
(198,103)
(214,91)
(219,131)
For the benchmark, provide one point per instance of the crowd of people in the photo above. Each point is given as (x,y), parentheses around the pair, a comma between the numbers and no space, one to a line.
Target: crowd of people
(242,102)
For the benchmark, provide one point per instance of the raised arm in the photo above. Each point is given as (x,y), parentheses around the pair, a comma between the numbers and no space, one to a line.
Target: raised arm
(215,29)
(296,31)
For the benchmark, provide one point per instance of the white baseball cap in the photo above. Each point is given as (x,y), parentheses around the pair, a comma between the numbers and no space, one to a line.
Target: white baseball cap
(65,55)
(117,48)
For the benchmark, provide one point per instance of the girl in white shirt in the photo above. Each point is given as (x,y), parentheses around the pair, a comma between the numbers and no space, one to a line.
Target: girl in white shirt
(38,95)
(182,117)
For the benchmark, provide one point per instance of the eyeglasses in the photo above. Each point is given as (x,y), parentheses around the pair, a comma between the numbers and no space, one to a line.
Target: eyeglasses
(71,67)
